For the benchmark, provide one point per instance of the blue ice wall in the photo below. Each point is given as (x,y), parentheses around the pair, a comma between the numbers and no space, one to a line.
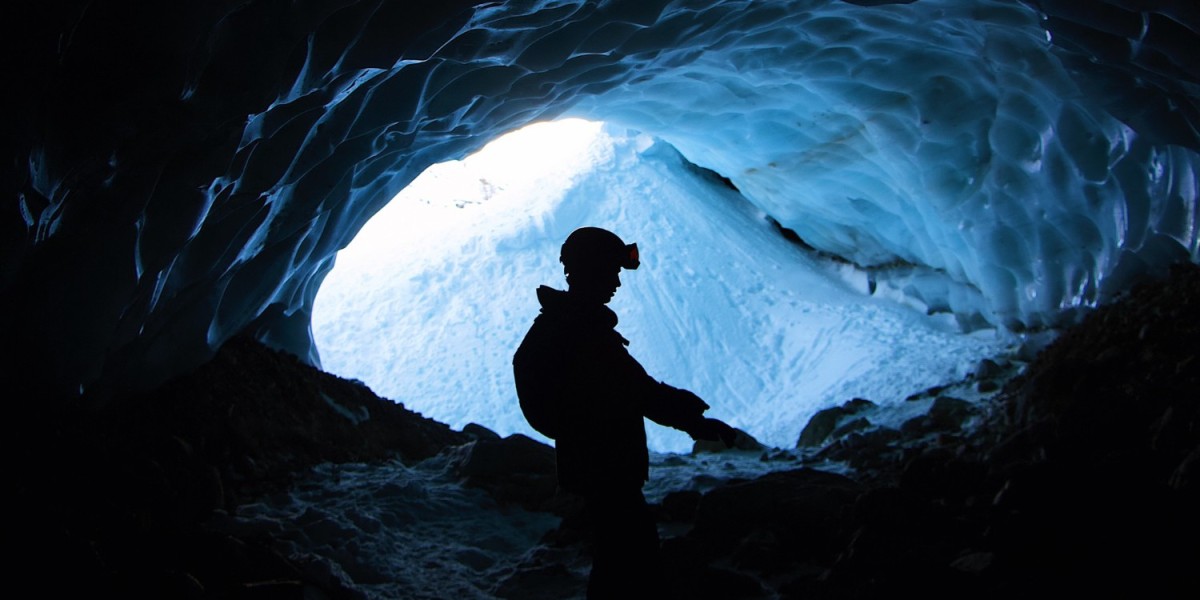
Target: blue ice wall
(1010,162)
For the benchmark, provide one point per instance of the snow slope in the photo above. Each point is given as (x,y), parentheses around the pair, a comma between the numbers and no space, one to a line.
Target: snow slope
(431,299)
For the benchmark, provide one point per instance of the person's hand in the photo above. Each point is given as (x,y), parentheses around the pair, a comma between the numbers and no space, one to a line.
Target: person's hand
(713,430)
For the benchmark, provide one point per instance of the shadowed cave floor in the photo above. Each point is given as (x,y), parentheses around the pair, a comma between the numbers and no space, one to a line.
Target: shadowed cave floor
(1078,477)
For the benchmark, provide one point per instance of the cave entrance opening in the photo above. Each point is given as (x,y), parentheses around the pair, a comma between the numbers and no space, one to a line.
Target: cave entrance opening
(430,300)
(420,306)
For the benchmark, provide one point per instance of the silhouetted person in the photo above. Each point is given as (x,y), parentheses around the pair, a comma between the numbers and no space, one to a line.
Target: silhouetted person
(579,386)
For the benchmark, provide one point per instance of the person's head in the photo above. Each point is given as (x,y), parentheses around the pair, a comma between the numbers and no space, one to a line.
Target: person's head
(592,260)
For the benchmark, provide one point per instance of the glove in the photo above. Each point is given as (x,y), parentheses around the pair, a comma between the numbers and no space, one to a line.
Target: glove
(713,430)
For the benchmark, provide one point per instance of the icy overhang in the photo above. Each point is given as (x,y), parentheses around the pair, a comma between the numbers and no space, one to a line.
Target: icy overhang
(189,175)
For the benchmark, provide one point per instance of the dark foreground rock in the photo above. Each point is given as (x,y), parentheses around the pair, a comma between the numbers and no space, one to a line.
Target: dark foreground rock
(113,501)
(514,470)
(1080,478)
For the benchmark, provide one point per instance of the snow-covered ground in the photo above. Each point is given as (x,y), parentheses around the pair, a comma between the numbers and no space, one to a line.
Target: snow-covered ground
(431,300)
(395,530)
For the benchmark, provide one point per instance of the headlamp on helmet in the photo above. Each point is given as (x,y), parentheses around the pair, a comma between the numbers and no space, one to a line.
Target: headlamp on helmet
(593,248)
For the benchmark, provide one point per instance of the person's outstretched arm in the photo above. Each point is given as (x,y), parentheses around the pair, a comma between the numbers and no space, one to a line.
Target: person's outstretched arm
(683,410)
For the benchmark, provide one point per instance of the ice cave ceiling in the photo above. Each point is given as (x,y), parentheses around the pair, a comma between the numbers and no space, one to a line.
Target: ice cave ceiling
(182,172)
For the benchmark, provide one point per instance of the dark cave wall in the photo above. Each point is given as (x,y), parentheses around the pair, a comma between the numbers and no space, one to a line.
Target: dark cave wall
(118,243)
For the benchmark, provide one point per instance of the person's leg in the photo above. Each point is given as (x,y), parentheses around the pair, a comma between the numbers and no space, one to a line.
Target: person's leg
(625,546)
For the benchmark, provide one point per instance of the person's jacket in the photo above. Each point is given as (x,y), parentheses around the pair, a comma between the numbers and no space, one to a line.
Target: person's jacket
(573,358)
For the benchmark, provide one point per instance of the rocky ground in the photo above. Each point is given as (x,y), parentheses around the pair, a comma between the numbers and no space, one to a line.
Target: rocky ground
(1078,476)
(1078,479)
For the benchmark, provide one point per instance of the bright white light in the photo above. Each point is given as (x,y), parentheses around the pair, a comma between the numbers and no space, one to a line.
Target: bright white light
(430,301)
(512,170)
(409,281)
(514,179)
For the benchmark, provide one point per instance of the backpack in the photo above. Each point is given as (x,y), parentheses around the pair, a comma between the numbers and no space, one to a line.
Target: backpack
(536,374)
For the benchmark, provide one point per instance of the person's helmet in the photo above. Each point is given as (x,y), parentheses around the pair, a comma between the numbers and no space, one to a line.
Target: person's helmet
(592,248)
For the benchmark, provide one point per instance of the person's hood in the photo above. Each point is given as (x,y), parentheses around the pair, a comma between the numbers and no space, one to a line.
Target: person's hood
(560,304)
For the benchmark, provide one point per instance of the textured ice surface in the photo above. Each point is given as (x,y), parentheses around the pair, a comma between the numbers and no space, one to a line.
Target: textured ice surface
(431,300)
(944,135)
(983,166)
(937,134)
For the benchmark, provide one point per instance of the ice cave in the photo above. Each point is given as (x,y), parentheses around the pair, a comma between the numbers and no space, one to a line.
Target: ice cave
(846,200)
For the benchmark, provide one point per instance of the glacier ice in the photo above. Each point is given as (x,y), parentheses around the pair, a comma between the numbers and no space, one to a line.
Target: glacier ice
(973,154)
